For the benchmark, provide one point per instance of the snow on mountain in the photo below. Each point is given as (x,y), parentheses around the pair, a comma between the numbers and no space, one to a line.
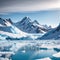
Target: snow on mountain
(2,22)
(25,25)
(29,26)
(5,29)
(47,27)
(9,30)
(5,25)
(35,22)
(17,34)
(1,25)
(8,26)
(9,20)
(11,34)
(21,29)
(53,34)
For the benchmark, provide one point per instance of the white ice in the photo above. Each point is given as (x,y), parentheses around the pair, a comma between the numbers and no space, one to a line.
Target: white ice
(47,58)
(57,55)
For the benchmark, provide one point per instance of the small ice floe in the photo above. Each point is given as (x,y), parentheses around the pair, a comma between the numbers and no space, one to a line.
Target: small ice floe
(4,58)
(7,53)
(47,58)
(57,55)
(23,51)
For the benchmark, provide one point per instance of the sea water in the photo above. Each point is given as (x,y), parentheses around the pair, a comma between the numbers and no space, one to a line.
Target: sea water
(32,49)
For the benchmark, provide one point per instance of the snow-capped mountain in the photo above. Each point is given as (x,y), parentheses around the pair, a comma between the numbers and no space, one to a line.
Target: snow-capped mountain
(4,22)
(25,25)
(11,32)
(35,22)
(53,34)
(47,27)
(20,30)
(29,26)
(5,25)
(16,34)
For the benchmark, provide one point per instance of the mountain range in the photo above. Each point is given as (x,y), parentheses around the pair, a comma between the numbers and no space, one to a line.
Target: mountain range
(27,29)
(29,26)
(54,34)
(26,25)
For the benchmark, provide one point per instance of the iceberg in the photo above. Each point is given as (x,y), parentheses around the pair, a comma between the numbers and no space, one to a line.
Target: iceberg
(57,55)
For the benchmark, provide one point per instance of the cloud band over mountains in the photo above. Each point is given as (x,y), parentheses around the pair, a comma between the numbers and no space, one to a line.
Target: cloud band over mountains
(28,5)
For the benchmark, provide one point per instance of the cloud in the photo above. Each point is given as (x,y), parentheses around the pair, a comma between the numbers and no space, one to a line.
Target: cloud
(28,5)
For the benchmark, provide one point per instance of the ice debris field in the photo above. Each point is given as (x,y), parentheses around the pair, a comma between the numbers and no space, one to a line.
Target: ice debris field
(30,50)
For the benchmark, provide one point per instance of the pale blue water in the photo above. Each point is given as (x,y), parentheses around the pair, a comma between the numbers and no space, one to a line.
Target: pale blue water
(32,50)
(33,53)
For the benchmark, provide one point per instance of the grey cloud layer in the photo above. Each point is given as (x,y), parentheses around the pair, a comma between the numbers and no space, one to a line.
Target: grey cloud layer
(28,5)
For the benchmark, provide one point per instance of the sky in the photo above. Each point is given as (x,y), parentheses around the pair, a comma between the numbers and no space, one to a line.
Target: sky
(44,11)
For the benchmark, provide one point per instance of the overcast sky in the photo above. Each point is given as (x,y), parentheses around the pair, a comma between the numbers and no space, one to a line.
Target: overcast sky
(28,5)
(45,11)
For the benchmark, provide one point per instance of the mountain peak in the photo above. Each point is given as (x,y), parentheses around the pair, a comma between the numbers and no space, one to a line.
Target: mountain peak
(26,20)
(9,20)
(26,17)
(58,28)
(5,22)
(2,21)
(35,22)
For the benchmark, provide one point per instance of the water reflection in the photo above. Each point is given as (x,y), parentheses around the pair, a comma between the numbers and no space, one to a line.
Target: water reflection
(30,50)
(57,49)
(30,53)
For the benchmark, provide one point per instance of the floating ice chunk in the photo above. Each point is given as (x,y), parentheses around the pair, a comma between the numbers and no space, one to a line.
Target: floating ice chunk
(23,51)
(4,58)
(44,59)
(7,53)
(57,55)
